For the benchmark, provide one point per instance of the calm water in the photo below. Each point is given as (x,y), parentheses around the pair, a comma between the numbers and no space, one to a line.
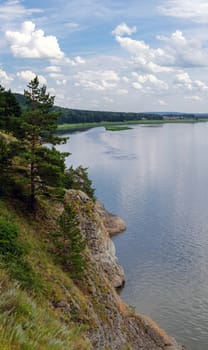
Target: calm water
(156,178)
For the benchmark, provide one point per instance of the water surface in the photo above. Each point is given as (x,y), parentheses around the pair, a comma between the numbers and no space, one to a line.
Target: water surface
(156,178)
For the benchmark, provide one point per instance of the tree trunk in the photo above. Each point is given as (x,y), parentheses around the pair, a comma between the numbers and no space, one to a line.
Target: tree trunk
(32,187)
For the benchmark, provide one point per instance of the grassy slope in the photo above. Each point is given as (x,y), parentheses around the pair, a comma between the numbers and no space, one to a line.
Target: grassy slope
(27,318)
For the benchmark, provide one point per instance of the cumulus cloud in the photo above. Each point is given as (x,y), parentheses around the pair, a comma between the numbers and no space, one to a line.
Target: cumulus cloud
(122,29)
(97,80)
(4,77)
(177,51)
(148,83)
(154,60)
(186,52)
(194,10)
(28,75)
(183,81)
(32,43)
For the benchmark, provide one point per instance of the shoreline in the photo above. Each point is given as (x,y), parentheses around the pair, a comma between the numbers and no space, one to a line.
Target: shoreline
(119,126)
(116,225)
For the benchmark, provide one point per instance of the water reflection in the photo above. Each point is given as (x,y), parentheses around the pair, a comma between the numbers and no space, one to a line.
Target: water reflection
(156,179)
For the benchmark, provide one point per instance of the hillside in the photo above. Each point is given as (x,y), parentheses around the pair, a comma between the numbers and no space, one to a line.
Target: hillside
(50,310)
(73,116)
(58,271)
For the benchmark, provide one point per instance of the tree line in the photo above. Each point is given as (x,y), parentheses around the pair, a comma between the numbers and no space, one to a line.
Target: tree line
(74,116)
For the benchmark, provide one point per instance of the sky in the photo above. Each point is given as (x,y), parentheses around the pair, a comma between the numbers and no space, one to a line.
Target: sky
(112,55)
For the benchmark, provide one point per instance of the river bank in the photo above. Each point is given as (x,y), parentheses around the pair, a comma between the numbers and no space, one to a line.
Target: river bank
(123,125)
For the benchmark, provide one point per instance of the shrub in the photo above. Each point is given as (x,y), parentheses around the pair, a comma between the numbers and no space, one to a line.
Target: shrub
(12,255)
(9,245)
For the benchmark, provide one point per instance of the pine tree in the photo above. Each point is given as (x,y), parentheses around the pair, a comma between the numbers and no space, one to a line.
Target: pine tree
(72,243)
(78,179)
(8,150)
(10,112)
(38,128)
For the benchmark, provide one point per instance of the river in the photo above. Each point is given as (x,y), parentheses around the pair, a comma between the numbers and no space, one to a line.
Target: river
(156,179)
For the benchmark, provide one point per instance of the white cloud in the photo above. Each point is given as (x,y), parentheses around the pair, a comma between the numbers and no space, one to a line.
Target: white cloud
(148,83)
(4,77)
(57,75)
(54,69)
(200,86)
(151,66)
(122,92)
(186,52)
(184,82)
(176,52)
(150,59)
(108,99)
(193,98)
(183,77)
(13,8)
(61,82)
(72,25)
(97,80)
(32,43)
(28,75)
(197,11)
(122,29)
(79,60)
(161,103)
(137,86)
(66,61)
(125,79)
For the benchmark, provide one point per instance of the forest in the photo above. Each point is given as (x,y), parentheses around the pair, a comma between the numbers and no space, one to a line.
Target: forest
(75,116)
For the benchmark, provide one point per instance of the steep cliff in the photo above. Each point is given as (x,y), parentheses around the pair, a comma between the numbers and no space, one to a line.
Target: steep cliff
(81,314)
(115,326)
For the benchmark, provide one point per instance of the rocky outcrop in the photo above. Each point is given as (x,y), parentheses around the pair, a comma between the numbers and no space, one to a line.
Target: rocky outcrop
(113,223)
(95,231)
(110,322)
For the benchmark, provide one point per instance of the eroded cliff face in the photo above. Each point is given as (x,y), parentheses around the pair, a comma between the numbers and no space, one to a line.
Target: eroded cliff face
(110,322)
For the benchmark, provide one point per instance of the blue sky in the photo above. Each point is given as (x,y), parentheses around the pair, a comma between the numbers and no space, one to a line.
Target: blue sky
(111,55)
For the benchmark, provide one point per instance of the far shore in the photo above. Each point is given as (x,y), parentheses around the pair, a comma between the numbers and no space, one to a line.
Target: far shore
(124,125)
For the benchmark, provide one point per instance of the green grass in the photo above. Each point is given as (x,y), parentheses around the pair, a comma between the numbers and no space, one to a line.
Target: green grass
(29,324)
(117,126)
(30,284)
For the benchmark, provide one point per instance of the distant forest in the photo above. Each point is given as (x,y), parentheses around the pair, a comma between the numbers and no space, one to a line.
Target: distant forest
(73,116)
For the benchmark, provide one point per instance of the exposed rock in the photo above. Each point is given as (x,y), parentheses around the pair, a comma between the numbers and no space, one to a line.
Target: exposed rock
(101,246)
(113,223)
(111,323)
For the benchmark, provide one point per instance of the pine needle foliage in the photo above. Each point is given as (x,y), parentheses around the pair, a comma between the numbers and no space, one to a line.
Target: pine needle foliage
(70,243)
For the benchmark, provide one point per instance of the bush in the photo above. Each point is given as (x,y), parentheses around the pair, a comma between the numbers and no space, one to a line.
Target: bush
(9,245)
(13,252)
